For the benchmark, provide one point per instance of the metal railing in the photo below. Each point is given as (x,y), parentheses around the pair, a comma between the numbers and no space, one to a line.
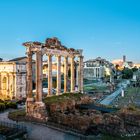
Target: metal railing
(12,129)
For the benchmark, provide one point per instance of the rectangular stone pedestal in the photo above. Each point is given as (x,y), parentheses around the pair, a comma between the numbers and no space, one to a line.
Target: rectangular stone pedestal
(36,110)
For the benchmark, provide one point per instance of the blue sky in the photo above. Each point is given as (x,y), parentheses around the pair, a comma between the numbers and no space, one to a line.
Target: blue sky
(106,28)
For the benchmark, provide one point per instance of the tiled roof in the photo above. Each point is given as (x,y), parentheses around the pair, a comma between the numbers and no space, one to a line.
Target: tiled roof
(18,58)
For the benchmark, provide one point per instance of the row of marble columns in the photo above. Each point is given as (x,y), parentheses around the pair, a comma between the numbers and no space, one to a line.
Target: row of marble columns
(39,75)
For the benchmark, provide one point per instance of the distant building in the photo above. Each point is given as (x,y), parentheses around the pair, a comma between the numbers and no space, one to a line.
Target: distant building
(54,68)
(13,79)
(24,60)
(124,58)
(97,68)
(137,65)
(123,63)
(19,59)
(128,64)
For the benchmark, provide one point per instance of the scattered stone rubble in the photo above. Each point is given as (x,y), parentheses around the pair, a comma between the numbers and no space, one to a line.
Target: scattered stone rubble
(121,123)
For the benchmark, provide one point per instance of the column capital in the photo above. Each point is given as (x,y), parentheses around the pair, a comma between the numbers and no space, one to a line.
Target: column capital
(29,52)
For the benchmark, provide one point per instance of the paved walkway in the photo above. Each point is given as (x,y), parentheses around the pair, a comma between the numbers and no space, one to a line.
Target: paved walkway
(109,99)
(39,132)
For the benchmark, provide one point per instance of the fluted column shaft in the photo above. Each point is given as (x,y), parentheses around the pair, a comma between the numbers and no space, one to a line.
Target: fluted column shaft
(72,75)
(39,76)
(8,84)
(49,75)
(0,83)
(77,75)
(65,74)
(58,75)
(13,81)
(29,75)
(81,73)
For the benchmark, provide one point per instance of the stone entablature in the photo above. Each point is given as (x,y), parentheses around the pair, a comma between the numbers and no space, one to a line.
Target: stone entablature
(12,67)
(55,49)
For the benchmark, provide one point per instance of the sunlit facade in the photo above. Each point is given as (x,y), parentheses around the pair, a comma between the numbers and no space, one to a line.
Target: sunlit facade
(12,80)
(97,68)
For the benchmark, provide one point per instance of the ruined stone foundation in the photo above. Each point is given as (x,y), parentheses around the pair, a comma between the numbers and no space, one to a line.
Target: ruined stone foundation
(36,111)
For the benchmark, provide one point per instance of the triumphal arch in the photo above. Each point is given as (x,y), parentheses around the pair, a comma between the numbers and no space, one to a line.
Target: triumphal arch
(51,47)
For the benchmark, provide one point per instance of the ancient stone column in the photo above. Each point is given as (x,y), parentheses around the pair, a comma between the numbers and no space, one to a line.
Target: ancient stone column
(49,75)
(58,75)
(81,74)
(72,75)
(7,90)
(29,75)
(11,85)
(15,88)
(77,76)
(39,76)
(0,83)
(65,74)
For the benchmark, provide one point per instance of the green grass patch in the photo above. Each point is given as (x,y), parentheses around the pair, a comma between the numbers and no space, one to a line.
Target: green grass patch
(95,88)
(17,115)
(62,98)
(7,104)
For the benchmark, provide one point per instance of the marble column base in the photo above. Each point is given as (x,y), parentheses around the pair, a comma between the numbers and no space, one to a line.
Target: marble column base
(36,110)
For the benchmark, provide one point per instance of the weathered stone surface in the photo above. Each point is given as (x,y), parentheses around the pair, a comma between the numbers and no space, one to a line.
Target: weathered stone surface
(111,124)
(97,119)
(37,111)
(93,122)
(68,104)
(131,118)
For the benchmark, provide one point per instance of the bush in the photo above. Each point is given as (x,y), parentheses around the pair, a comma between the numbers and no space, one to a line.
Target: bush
(2,107)
(23,101)
(1,101)
(127,73)
(12,105)
(132,108)
(17,115)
